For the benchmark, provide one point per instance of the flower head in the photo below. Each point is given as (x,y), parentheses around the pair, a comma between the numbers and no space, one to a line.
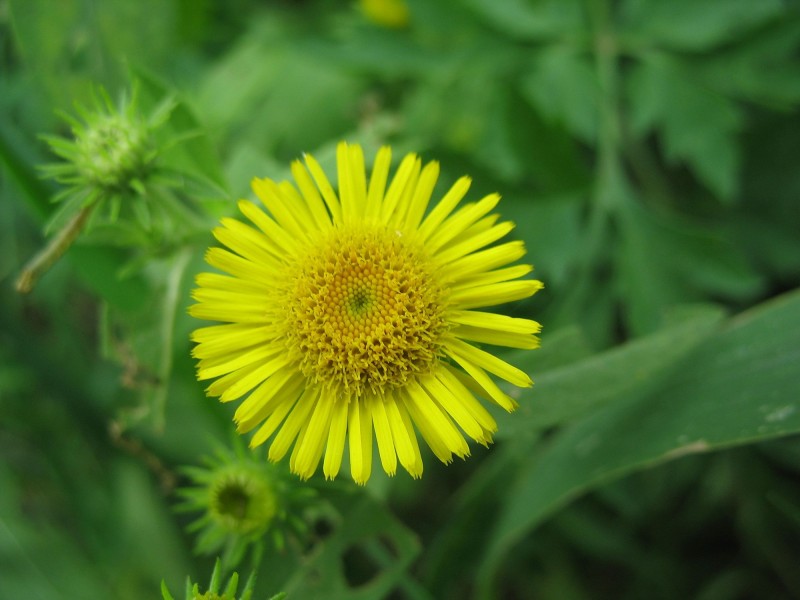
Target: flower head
(193,592)
(393,14)
(354,312)
(242,498)
(111,158)
(110,165)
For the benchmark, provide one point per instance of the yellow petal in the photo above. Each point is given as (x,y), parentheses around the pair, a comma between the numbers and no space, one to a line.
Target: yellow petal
(383,434)
(336,438)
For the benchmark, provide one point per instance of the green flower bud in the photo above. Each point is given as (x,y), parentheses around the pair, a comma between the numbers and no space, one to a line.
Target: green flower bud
(120,179)
(228,593)
(243,501)
(114,152)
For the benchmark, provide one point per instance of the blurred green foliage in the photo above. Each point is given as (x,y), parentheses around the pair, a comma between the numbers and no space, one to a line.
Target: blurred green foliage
(647,151)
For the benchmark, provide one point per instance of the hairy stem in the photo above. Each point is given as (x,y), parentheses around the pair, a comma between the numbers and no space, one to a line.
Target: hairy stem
(49,255)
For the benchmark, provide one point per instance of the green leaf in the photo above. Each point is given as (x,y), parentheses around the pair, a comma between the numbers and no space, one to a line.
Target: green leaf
(40,560)
(645,285)
(276,96)
(769,223)
(552,230)
(761,68)
(189,149)
(486,129)
(739,387)
(100,271)
(693,25)
(695,125)
(570,391)
(537,19)
(165,594)
(391,53)
(563,86)
(16,155)
(479,124)
(64,44)
(664,261)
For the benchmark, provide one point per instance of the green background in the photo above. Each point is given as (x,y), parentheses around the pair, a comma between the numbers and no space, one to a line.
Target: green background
(648,152)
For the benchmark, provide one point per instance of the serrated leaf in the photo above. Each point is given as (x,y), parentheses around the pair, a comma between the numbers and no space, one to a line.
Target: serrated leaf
(492,128)
(547,153)
(761,68)
(665,261)
(645,285)
(696,125)
(562,85)
(693,25)
(536,19)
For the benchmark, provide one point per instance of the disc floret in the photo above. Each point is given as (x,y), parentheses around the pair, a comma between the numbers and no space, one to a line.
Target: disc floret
(364,313)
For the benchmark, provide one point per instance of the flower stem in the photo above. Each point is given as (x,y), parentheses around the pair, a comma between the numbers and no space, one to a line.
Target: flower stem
(171,308)
(48,256)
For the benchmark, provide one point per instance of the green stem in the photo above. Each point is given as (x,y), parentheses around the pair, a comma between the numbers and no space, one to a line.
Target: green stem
(48,256)
(170,310)
(644,167)
(606,55)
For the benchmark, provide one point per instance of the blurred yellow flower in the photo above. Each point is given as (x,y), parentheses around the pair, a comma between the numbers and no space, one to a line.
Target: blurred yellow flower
(354,312)
(386,13)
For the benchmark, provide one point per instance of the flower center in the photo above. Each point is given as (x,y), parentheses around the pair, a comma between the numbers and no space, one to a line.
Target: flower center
(363,312)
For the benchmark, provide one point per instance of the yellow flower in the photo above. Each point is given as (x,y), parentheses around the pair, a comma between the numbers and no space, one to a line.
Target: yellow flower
(352,313)
(387,13)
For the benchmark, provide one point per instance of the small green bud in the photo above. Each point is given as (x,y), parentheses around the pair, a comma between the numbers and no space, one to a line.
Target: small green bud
(112,155)
(243,501)
(114,174)
(213,593)
(114,152)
